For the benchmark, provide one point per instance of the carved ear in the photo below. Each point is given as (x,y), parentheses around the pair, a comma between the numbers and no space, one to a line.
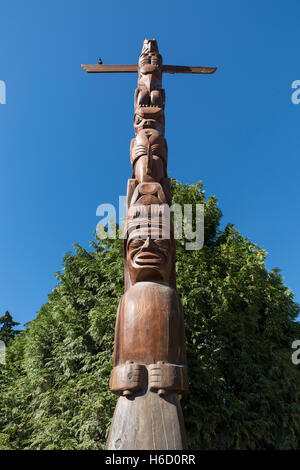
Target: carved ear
(131,185)
(136,94)
(163,97)
(166,185)
(127,281)
(132,155)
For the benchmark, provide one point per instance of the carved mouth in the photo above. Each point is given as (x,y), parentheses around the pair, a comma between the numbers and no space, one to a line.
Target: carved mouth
(147,259)
(149,125)
(147,106)
(146,111)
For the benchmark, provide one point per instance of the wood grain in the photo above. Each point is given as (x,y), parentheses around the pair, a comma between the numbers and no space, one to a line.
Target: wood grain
(100,68)
(147,422)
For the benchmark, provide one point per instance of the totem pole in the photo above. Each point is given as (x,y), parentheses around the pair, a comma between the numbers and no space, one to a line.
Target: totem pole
(150,370)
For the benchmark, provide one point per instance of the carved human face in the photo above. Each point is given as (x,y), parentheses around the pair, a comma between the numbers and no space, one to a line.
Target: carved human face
(149,259)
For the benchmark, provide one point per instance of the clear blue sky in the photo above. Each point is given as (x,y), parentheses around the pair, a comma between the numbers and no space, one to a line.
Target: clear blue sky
(65,135)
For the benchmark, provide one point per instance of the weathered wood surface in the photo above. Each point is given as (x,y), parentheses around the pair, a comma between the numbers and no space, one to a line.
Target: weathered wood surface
(149,326)
(101,68)
(150,370)
(147,422)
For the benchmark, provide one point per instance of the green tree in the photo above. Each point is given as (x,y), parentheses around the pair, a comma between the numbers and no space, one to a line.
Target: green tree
(240,324)
(7,331)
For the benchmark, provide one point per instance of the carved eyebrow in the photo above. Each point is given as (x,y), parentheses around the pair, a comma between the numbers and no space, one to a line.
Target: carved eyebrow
(134,239)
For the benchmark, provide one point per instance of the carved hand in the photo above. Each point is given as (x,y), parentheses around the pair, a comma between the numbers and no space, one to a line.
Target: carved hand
(167,378)
(127,378)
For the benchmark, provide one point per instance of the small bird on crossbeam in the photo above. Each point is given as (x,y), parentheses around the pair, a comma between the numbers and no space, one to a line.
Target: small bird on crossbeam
(100,61)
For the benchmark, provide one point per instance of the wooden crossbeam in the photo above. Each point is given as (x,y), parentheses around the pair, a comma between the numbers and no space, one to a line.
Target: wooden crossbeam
(100,68)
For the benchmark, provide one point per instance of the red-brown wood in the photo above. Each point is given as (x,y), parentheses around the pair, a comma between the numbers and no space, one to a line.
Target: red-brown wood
(149,357)
(150,370)
(100,68)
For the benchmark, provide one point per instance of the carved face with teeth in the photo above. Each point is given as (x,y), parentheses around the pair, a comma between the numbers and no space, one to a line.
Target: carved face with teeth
(149,99)
(149,257)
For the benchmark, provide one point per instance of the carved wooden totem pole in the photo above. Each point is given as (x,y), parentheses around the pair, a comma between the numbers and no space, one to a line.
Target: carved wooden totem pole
(150,371)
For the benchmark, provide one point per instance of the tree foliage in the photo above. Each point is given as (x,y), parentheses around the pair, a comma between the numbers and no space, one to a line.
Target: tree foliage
(240,324)
(7,330)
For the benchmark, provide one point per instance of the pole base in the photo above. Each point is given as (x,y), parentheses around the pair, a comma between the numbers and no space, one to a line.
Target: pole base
(147,422)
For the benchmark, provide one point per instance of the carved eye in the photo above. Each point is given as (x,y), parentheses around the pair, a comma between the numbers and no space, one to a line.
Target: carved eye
(136,243)
(162,242)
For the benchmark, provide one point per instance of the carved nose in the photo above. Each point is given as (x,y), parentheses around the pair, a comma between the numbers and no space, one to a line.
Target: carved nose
(147,243)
